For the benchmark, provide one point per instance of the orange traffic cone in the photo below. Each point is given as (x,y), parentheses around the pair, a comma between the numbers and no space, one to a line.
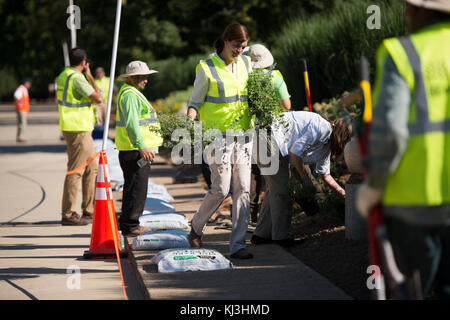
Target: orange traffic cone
(104,226)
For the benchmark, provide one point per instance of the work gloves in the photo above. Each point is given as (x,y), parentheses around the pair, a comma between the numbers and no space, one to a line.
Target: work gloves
(366,198)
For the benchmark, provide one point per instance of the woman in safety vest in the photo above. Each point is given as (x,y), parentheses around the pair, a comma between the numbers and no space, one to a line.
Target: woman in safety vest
(219,98)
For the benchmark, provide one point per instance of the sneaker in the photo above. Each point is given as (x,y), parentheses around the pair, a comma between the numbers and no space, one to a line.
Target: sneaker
(134,232)
(194,239)
(254,209)
(73,220)
(88,217)
(256,240)
(241,254)
(286,243)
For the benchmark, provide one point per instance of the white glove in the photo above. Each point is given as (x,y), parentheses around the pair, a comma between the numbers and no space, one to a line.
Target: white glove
(366,198)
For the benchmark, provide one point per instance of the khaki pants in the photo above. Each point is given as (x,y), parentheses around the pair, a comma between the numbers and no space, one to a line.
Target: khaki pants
(21,124)
(80,148)
(230,164)
(274,220)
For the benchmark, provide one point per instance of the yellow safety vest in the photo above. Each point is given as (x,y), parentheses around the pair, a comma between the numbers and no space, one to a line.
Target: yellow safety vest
(103,85)
(147,119)
(273,74)
(75,113)
(225,106)
(423,175)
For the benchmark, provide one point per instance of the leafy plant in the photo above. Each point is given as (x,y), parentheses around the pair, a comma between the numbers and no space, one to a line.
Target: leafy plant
(297,193)
(197,133)
(263,103)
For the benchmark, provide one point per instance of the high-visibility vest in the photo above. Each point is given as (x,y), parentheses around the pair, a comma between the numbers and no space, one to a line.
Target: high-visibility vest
(423,174)
(103,85)
(273,74)
(147,119)
(75,112)
(23,104)
(225,105)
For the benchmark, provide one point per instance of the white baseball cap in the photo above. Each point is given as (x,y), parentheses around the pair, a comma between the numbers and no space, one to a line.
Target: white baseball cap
(439,5)
(260,56)
(135,68)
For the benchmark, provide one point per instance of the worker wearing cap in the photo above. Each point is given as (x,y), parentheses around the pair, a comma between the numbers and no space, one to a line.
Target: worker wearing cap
(409,158)
(22,105)
(261,58)
(75,97)
(135,141)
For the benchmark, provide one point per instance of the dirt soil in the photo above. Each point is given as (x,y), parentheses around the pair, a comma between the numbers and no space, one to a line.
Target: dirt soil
(324,248)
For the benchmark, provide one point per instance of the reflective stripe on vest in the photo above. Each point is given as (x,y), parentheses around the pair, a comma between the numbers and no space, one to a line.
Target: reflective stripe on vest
(422,177)
(24,101)
(423,124)
(221,87)
(226,101)
(148,119)
(75,114)
(64,102)
(153,117)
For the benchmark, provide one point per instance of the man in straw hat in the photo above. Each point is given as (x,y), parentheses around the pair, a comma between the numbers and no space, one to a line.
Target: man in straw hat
(408,161)
(136,142)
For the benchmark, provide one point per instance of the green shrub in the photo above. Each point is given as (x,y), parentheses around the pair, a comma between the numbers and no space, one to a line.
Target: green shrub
(8,83)
(262,99)
(332,43)
(174,102)
(173,74)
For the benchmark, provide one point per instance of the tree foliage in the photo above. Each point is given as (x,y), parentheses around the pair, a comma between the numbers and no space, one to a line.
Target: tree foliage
(32,32)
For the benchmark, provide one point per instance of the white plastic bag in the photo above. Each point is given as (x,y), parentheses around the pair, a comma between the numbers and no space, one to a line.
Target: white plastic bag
(195,259)
(161,239)
(158,191)
(171,220)
(154,205)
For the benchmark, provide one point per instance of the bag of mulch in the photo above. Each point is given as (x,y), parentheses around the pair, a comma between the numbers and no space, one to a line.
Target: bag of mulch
(161,239)
(171,220)
(154,205)
(158,191)
(195,259)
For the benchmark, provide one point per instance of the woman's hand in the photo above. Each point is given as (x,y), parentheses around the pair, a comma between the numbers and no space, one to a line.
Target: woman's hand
(328,179)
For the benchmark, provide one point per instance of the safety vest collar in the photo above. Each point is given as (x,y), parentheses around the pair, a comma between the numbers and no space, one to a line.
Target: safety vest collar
(423,124)
(64,101)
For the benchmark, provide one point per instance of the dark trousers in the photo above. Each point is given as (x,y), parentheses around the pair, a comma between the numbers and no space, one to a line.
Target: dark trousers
(424,249)
(206,171)
(134,189)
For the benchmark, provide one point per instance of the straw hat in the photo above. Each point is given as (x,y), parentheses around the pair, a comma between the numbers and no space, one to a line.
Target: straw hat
(259,55)
(135,68)
(438,5)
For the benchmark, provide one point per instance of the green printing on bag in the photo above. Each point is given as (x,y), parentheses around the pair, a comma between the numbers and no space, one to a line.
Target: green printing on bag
(185,257)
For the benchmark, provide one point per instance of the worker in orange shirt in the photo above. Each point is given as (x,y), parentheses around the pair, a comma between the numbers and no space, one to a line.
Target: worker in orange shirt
(22,105)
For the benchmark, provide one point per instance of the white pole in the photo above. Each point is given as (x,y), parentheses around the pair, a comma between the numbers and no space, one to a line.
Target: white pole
(73,30)
(66,54)
(112,72)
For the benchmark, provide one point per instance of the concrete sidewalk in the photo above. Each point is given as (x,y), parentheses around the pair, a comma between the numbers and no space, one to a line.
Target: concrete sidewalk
(273,273)
(39,258)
